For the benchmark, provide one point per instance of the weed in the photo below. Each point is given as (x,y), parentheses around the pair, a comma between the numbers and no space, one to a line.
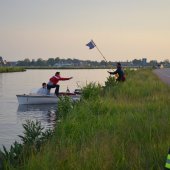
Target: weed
(91,91)
(32,141)
(65,105)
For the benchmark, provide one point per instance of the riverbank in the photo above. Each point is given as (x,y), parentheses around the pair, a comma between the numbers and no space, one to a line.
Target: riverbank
(11,69)
(123,126)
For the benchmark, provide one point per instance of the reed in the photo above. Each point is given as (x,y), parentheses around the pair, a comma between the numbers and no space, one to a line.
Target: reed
(124,126)
(11,69)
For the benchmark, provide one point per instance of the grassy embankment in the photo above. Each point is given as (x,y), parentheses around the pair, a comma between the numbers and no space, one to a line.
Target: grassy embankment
(124,127)
(11,69)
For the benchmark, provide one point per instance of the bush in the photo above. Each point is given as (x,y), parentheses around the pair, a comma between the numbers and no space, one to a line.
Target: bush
(33,139)
(110,82)
(91,91)
(65,105)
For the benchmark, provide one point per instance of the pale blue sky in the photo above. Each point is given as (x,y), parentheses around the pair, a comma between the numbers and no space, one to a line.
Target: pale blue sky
(122,29)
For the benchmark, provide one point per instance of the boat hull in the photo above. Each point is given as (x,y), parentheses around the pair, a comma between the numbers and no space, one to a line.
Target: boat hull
(37,99)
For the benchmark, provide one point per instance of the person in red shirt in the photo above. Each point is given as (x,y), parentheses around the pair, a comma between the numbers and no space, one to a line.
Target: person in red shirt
(53,82)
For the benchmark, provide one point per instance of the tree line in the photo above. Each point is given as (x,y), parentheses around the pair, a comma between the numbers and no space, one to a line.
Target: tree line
(61,62)
(76,62)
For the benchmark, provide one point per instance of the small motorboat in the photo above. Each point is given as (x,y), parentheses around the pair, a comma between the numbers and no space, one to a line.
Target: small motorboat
(45,99)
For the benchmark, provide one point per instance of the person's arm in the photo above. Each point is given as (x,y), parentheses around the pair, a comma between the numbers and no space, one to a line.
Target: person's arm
(115,72)
(63,79)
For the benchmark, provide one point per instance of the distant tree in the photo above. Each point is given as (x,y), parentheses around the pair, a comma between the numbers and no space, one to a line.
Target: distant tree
(153,63)
(69,60)
(137,62)
(27,61)
(57,60)
(41,62)
(33,62)
(166,61)
(94,63)
(51,61)
(103,63)
(76,62)
(1,61)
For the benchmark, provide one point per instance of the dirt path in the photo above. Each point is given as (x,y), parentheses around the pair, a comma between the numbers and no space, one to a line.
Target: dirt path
(163,74)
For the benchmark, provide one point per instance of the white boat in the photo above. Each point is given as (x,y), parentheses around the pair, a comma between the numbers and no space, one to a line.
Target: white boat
(44,99)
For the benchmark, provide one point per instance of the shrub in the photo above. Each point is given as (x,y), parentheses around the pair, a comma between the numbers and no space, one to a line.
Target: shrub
(32,141)
(91,91)
(65,105)
(110,82)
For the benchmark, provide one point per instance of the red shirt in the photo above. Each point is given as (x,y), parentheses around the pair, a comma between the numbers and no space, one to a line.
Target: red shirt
(56,79)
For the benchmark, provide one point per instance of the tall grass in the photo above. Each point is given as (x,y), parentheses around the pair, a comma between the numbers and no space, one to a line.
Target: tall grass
(124,126)
(11,69)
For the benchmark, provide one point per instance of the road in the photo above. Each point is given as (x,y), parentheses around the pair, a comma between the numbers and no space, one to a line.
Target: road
(163,74)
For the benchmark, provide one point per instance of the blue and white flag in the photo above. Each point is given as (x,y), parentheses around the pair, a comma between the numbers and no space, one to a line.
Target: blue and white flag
(91,44)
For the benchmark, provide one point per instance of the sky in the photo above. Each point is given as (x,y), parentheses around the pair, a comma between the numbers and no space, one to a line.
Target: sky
(122,29)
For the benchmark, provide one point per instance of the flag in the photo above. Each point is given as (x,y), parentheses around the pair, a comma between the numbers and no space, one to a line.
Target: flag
(91,44)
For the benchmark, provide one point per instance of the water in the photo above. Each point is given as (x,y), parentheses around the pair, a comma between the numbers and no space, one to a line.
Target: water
(13,115)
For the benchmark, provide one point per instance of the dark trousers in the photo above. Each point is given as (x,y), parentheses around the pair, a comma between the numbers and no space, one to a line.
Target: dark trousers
(54,86)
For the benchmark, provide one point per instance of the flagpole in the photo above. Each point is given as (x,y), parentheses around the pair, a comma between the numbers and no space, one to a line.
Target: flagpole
(101,53)
(91,45)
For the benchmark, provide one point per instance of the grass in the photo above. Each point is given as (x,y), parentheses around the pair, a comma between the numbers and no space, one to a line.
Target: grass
(11,69)
(125,126)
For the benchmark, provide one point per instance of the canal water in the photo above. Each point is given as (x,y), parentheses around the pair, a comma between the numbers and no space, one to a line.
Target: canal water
(13,115)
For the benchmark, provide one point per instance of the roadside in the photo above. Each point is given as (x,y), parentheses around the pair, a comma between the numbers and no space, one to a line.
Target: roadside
(163,74)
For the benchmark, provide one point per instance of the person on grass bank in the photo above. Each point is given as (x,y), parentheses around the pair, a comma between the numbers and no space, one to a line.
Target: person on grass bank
(53,82)
(119,72)
(43,89)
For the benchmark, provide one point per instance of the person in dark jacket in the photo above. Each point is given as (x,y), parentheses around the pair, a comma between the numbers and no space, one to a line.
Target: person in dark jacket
(119,72)
(53,82)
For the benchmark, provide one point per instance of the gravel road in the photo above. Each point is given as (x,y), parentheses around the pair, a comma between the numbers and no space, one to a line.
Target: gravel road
(163,74)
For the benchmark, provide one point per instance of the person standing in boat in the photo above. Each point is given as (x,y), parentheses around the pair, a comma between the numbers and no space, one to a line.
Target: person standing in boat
(119,71)
(53,82)
(43,89)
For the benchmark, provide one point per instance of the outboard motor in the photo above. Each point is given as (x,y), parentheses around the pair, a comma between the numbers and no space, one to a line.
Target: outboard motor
(78,91)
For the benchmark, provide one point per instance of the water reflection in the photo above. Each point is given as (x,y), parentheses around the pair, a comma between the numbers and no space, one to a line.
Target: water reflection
(44,113)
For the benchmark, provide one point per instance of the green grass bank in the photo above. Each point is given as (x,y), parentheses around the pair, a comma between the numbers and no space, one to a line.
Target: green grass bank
(124,126)
(11,69)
